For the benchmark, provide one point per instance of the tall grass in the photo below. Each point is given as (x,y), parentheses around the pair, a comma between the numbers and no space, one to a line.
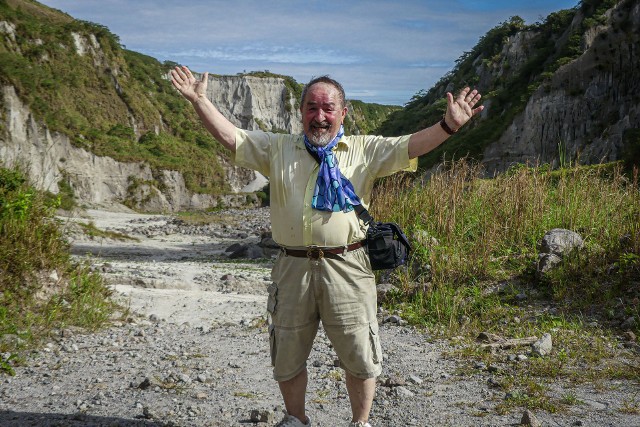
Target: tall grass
(41,288)
(482,232)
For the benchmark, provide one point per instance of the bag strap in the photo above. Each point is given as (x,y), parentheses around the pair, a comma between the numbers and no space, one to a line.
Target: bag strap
(362,213)
(400,234)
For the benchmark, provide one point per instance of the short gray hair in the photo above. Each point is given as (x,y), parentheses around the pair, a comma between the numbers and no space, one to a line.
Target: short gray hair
(327,80)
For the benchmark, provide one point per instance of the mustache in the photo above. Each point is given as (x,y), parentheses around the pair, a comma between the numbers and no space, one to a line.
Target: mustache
(324,124)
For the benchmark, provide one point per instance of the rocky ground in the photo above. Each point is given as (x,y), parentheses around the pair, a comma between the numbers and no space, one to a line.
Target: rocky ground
(194,350)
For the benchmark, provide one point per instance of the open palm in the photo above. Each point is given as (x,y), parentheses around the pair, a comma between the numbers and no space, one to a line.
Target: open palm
(190,87)
(461,108)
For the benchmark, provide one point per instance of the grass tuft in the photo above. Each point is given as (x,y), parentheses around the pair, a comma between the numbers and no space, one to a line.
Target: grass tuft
(41,289)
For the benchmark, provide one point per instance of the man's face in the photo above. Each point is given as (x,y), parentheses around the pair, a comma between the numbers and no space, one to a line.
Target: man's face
(322,113)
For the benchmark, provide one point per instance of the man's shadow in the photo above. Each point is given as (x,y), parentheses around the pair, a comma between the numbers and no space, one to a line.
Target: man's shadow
(33,419)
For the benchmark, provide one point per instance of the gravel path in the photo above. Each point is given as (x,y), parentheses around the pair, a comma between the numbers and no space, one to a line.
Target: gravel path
(194,352)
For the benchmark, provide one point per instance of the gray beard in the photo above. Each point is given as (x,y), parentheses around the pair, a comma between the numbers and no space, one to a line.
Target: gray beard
(320,141)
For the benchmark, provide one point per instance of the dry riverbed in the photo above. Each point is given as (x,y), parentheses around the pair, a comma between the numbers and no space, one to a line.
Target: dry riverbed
(194,349)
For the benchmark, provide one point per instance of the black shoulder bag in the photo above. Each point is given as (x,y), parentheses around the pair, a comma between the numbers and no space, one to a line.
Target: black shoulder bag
(387,245)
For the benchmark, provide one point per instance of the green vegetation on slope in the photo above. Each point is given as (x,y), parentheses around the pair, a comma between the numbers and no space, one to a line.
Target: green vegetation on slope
(41,289)
(364,118)
(554,41)
(112,102)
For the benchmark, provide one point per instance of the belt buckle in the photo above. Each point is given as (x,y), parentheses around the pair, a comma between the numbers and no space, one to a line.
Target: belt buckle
(312,249)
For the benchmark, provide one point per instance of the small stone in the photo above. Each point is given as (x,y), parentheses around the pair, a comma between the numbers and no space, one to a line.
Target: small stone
(262,416)
(384,290)
(629,323)
(148,382)
(493,383)
(488,337)
(543,346)
(403,392)
(394,381)
(184,378)
(546,262)
(529,419)
(53,276)
(415,379)
(629,336)
(234,247)
(392,319)
(148,413)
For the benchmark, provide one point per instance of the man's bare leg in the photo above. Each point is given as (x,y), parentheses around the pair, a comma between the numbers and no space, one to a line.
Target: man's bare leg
(361,393)
(293,392)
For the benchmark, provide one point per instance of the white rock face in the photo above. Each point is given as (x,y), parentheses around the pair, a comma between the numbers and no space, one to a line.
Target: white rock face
(255,103)
(581,113)
(8,29)
(48,158)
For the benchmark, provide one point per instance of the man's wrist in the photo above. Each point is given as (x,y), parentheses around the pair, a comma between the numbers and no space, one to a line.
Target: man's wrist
(197,99)
(446,127)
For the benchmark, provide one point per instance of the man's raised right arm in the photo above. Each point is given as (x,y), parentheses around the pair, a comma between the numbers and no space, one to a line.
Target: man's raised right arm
(195,92)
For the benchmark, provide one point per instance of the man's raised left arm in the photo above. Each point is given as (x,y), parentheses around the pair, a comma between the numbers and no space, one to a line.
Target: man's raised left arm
(459,111)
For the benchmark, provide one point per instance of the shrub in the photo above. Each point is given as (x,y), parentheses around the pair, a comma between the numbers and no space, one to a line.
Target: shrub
(40,287)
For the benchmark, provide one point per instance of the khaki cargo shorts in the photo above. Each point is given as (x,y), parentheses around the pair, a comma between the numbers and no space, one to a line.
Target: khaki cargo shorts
(339,291)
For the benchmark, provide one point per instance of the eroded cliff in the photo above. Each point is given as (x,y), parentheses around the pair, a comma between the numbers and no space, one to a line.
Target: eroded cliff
(49,158)
(582,111)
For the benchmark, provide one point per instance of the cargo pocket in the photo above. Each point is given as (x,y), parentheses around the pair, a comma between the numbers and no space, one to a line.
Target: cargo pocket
(272,344)
(374,340)
(272,300)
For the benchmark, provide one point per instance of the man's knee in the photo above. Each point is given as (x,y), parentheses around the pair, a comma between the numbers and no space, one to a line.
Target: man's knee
(358,348)
(290,349)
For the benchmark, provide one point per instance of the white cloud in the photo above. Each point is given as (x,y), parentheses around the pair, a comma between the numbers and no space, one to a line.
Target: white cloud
(267,54)
(383,50)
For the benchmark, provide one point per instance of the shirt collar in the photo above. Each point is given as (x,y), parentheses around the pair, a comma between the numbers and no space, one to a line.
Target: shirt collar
(342,142)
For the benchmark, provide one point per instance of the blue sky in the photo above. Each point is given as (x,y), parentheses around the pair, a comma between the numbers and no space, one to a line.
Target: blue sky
(381,51)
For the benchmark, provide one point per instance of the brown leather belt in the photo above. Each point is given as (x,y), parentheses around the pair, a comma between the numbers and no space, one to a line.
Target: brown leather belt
(315,252)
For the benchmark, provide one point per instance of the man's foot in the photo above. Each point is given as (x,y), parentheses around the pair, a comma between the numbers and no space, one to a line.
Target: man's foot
(291,421)
(359,424)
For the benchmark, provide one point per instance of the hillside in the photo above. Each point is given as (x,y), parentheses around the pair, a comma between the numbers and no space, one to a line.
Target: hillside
(73,96)
(561,90)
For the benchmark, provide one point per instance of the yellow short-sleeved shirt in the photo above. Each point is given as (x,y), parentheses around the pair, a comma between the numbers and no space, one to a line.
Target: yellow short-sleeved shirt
(292,174)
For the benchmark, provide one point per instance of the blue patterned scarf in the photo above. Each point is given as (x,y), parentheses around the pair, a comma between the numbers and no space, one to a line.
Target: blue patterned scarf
(333,192)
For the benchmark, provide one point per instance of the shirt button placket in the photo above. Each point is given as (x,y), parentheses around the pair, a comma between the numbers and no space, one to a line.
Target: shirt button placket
(306,211)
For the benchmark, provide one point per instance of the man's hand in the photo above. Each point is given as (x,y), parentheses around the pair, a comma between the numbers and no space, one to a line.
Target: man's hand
(460,109)
(187,85)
